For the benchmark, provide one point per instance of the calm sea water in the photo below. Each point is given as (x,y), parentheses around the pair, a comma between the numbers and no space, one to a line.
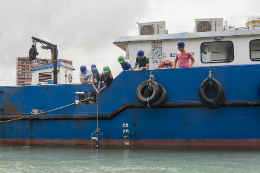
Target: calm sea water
(37,159)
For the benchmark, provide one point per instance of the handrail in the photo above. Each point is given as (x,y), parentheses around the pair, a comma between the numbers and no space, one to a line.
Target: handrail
(252,21)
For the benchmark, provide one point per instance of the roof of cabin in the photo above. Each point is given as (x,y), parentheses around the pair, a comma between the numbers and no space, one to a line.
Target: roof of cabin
(121,41)
(59,63)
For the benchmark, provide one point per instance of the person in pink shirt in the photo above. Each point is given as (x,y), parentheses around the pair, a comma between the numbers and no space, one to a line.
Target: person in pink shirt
(183,57)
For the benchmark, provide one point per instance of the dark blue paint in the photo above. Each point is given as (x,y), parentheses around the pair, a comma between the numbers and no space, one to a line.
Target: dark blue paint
(12,100)
(224,123)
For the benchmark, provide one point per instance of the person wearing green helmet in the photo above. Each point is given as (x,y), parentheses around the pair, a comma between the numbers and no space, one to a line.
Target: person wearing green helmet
(106,77)
(125,65)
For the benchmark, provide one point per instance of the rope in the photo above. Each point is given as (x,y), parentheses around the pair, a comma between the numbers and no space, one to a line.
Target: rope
(148,104)
(214,101)
(15,119)
(210,76)
(149,84)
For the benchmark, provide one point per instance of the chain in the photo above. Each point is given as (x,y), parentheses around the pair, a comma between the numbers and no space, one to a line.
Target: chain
(15,119)
(149,84)
(210,76)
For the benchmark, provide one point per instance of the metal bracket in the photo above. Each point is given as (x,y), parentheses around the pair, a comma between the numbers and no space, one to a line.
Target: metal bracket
(2,109)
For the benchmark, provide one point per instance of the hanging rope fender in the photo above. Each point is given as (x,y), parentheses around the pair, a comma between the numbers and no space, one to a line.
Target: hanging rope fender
(211,83)
(153,91)
(15,119)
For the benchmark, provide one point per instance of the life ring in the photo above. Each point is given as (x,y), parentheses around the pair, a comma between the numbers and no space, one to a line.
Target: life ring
(165,62)
(163,96)
(218,99)
(141,88)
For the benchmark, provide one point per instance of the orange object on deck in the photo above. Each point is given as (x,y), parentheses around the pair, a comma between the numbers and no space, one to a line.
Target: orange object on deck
(165,62)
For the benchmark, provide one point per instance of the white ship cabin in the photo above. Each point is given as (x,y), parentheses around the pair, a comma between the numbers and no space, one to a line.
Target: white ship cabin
(43,74)
(211,43)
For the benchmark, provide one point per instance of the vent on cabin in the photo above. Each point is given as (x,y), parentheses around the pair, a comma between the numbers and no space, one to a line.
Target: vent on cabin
(211,24)
(152,28)
(147,30)
(203,26)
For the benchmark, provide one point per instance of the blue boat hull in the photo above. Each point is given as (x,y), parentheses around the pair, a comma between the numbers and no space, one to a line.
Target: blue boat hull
(230,126)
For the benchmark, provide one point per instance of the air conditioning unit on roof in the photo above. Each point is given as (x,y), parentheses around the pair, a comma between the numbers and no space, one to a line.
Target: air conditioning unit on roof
(212,24)
(152,28)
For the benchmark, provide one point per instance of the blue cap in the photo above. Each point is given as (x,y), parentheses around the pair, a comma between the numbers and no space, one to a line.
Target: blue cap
(140,53)
(83,69)
(94,71)
(180,44)
(93,66)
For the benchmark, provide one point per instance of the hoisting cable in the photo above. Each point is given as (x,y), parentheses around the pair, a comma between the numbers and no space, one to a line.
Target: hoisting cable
(97,130)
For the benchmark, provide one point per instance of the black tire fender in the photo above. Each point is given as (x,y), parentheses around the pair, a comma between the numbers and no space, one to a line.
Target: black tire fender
(162,99)
(141,88)
(218,99)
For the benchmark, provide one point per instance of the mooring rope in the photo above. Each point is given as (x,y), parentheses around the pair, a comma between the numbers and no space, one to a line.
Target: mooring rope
(15,119)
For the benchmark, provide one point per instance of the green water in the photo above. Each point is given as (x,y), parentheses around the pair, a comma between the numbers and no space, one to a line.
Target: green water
(38,159)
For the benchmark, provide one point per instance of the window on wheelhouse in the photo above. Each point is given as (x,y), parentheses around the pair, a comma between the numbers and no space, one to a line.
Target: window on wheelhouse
(255,50)
(217,52)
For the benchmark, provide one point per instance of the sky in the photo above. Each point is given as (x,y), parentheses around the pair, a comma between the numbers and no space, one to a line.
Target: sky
(84,30)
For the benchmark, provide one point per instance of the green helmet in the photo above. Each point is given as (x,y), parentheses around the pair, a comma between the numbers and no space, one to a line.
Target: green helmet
(121,59)
(106,69)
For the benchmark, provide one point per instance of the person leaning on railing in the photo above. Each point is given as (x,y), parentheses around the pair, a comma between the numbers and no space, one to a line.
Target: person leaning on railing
(125,65)
(183,57)
(85,78)
(142,60)
(95,78)
(106,77)
(84,75)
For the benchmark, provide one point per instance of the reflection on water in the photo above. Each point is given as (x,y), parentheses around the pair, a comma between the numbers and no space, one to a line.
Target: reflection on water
(38,159)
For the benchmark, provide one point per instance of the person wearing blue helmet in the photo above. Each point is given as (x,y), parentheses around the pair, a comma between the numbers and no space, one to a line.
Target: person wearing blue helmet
(142,60)
(183,57)
(95,78)
(84,75)
(93,66)
(85,78)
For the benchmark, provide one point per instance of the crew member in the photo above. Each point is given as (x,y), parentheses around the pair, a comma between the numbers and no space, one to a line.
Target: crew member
(142,60)
(125,65)
(106,77)
(183,57)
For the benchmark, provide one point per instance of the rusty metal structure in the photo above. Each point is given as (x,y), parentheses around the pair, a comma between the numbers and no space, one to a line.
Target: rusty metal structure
(33,53)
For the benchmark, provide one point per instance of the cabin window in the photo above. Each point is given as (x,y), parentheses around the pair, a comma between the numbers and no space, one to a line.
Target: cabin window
(217,52)
(255,50)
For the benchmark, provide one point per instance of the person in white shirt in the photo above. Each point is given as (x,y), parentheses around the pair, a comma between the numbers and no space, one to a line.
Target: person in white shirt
(94,79)
(85,78)
(84,75)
